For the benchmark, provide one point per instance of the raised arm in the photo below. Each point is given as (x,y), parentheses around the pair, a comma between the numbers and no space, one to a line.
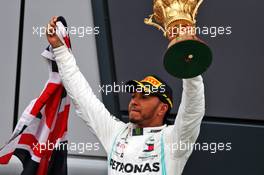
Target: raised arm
(87,105)
(191,111)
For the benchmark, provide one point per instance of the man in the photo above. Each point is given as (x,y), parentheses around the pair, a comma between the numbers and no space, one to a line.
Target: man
(144,145)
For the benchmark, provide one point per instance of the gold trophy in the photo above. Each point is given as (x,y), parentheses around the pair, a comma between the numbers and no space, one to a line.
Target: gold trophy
(187,56)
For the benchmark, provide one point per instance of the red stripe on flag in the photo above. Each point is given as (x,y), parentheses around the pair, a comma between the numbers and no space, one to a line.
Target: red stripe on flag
(32,142)
(44,97)
(61,125)
(5,159)
(67,41)
(52,106)
(43,166)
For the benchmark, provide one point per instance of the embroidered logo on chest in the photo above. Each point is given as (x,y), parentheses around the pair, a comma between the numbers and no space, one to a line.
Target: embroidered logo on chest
(149,152)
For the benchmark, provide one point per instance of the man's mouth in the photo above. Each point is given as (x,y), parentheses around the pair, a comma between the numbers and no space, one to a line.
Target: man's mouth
(134,110)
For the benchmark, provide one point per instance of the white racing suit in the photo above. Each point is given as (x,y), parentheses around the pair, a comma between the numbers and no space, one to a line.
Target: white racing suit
(149,151)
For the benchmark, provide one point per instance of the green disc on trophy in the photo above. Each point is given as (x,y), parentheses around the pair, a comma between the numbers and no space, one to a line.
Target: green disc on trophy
(187,59)
(187,56)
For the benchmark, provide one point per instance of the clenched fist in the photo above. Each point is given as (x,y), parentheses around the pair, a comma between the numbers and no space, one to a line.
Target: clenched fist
(51,33)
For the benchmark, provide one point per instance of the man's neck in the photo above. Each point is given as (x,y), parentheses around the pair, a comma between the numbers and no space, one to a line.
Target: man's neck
(149,125)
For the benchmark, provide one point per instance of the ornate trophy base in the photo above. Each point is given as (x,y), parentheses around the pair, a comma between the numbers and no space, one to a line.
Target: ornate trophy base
(187,57)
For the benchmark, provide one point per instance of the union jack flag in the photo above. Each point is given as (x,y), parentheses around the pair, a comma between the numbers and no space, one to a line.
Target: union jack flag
(40,137)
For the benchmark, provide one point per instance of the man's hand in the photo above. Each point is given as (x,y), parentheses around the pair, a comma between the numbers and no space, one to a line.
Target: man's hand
(51,33)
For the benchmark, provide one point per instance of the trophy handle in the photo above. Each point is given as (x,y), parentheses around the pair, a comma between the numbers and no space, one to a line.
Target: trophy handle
(195,10)
(149,21)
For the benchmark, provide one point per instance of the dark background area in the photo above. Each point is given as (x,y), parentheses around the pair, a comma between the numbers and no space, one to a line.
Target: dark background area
(234,86)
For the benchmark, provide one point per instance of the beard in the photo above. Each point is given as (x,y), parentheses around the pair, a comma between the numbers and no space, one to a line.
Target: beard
(139,115)
(135,119)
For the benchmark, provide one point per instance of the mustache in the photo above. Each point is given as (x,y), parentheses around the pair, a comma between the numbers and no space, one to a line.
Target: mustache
(133,108)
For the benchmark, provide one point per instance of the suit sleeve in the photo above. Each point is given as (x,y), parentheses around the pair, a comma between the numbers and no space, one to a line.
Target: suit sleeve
(87,105)
(190,114)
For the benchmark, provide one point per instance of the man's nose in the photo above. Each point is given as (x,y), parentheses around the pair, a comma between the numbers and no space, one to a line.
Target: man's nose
(134,100)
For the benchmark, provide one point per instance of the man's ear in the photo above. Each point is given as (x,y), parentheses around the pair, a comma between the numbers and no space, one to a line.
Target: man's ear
(164,108)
